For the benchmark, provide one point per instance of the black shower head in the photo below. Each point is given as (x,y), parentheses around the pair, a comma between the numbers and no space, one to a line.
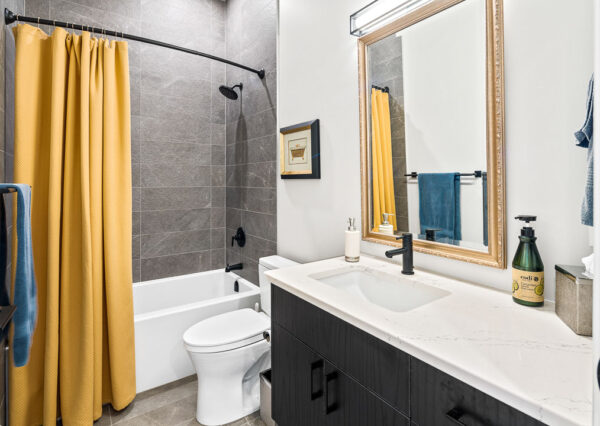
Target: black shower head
(229,92)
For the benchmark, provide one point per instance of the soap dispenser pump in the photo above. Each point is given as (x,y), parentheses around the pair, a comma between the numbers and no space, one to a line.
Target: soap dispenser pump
(352,249)
(527,267)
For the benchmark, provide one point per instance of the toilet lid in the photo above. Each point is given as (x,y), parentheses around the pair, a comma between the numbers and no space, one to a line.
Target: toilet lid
(244,326)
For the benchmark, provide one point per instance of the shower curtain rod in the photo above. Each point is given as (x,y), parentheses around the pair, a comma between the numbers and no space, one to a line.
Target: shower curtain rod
(10,17)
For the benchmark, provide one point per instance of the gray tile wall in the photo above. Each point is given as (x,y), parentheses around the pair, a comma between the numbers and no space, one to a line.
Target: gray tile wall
(251,133)
(193,176)
(178,127)
(385,69)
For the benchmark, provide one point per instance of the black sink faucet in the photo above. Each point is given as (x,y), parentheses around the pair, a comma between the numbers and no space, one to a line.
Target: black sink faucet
(230,268)
(406,251)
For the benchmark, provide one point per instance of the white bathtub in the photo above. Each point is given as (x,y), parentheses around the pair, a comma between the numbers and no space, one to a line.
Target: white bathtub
(165,308)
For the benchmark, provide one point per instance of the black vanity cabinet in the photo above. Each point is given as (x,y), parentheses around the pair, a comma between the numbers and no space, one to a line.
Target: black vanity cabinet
(314,392)
(328,372)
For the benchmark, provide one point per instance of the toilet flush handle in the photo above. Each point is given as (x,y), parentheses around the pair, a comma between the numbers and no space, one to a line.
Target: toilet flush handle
(267,335)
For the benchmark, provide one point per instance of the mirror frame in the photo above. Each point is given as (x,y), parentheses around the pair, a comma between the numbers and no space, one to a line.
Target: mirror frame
(496,254)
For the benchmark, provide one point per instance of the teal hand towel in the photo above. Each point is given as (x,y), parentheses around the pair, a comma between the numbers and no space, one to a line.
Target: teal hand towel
(25,290)
(439,205)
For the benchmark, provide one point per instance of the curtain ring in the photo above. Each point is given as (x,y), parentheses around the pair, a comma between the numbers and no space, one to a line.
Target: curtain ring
(38,23)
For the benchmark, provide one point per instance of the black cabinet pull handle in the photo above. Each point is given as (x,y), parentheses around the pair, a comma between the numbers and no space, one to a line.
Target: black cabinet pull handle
(314,367)
(455,415)
(329,407)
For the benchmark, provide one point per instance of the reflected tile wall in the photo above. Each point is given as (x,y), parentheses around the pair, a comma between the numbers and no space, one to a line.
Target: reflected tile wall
(385,69)
(251,133)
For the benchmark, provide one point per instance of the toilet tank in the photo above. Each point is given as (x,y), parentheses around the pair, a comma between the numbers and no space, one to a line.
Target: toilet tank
(268,264)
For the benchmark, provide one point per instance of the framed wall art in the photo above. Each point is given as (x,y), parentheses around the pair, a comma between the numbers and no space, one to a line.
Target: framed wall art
(300,153)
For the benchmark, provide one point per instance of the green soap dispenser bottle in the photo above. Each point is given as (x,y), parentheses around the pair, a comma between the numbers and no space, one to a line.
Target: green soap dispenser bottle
(527,268)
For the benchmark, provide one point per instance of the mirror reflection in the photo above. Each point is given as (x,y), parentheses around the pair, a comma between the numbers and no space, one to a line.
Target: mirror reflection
(427,129)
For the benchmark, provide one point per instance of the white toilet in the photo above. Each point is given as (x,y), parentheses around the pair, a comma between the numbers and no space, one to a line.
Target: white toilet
(229,351)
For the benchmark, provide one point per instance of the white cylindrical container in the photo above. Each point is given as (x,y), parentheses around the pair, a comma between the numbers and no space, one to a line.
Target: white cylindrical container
(386,227)
(352,250)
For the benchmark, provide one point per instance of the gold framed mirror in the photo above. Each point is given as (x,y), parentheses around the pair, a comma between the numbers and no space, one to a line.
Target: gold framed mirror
(431,88)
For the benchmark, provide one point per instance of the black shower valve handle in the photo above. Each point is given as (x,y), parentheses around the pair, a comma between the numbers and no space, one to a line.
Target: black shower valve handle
(240,237)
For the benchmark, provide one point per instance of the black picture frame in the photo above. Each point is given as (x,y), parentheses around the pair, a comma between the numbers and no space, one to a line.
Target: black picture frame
(315,147)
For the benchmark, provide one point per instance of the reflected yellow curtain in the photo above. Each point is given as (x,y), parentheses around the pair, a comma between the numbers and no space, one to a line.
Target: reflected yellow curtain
(72,145)
(381,158)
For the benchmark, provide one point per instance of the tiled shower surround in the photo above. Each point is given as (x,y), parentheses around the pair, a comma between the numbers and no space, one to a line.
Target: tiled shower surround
(188,155)
(252,133)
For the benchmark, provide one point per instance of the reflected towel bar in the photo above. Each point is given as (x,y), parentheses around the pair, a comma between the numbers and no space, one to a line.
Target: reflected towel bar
(476,173)
(10,17)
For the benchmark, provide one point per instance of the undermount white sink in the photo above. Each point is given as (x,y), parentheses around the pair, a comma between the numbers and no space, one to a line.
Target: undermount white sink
(395,293)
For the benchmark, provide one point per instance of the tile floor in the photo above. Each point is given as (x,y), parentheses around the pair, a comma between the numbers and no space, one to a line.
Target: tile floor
(173,404)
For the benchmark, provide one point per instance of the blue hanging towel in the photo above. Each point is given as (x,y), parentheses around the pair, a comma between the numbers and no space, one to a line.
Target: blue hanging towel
(585,139)
(439,205)
(25,293)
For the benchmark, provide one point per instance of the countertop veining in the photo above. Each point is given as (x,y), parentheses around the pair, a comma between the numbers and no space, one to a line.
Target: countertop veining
(525,357)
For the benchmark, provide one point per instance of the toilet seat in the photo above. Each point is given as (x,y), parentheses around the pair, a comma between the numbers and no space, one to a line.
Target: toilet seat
(227,331)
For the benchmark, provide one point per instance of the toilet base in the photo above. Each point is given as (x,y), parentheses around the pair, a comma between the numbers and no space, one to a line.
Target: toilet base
(228,382)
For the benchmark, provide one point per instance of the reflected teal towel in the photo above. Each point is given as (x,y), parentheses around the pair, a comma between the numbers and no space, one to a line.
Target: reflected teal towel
(25,293)
(439,205)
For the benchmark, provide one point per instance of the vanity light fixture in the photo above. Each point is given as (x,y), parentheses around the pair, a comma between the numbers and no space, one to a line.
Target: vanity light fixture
(380,12)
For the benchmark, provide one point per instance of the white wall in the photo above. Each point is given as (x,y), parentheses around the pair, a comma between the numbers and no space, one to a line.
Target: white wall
(548,61)
(318,79)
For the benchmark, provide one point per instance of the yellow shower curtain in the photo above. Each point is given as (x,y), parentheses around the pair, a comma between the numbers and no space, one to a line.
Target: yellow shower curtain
(72,145)
(381,158)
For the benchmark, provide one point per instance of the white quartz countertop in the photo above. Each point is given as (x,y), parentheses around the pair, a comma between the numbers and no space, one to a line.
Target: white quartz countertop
(525,357)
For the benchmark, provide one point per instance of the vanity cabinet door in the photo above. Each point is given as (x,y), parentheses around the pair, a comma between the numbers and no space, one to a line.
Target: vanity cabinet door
(347,403)
(440,399)
(296,380)
(378,366)
(309,390)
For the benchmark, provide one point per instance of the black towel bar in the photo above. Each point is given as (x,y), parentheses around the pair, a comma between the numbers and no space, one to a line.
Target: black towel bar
(476,173)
